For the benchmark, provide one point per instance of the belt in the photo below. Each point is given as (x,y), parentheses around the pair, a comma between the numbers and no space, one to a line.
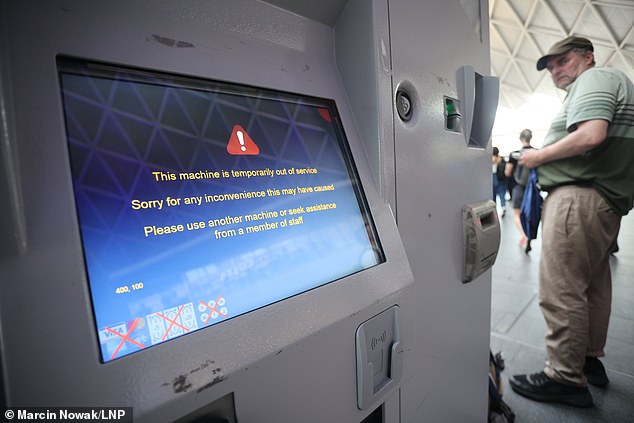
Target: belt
(582,184)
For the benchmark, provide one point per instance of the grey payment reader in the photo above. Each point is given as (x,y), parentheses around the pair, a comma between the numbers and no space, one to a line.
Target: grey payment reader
(481,238)
(379,356)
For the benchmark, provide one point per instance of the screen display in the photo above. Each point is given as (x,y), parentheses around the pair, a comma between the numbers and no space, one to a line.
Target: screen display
(199,201)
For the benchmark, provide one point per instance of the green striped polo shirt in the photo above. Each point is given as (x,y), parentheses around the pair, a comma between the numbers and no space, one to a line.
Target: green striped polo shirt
(598,93)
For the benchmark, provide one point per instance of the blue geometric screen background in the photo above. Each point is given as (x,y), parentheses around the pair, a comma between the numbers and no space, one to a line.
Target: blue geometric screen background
(166,256)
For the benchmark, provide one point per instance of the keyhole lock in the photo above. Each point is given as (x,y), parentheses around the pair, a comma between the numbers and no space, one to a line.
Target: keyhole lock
(403,105)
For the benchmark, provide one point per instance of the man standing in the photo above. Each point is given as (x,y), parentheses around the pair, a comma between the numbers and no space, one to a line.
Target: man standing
(587,167)
(520,175)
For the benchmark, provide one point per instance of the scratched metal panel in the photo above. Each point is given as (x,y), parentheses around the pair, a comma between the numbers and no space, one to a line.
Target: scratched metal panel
(436,174)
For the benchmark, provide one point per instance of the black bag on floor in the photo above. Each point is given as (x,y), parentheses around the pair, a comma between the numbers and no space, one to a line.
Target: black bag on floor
(499,411)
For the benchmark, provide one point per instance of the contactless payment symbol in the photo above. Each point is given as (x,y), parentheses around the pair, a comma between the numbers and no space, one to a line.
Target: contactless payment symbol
(241,143)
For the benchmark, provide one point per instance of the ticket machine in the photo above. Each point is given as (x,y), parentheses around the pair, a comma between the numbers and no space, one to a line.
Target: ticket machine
(246,211)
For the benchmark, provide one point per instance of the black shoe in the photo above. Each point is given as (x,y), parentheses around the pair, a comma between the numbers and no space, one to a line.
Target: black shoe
(595,372)
(528,248)
(540,387)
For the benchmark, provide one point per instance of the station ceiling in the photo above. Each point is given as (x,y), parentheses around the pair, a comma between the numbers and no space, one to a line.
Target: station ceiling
(521,31)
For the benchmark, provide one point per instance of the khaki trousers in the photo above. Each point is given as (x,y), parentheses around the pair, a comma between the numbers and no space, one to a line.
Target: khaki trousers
(575,283)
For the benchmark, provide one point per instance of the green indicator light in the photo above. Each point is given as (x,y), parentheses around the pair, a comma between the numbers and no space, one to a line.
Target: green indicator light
(450,107)
(452,115)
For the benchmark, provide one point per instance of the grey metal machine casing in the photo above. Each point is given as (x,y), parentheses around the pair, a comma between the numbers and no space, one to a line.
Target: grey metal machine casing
(296,360)
(429,168)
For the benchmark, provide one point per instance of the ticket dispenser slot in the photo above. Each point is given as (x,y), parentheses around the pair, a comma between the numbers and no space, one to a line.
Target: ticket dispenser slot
(481,238)
(479,95)
(379,357)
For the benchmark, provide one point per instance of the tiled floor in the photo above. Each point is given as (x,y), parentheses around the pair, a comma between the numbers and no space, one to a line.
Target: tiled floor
(517,329)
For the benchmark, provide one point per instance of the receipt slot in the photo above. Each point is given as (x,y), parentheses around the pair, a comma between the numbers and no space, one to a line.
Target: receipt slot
(481,238)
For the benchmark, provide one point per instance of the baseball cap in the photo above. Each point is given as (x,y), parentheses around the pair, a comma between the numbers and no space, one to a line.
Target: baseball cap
(564,46)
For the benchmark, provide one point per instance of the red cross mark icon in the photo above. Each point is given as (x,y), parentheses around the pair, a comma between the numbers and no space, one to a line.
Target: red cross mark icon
(125,337)
(213,309)
(173,322)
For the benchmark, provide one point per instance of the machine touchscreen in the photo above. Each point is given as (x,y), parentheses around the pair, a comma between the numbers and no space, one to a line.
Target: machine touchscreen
(199,201)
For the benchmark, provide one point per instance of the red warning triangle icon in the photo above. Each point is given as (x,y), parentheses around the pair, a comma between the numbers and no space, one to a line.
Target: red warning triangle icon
(241,143)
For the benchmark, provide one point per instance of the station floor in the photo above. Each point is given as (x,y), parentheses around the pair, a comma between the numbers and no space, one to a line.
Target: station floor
(517,330)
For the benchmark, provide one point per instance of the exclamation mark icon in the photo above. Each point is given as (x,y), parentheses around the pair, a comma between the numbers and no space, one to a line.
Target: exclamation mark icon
(241,139)
(241,143)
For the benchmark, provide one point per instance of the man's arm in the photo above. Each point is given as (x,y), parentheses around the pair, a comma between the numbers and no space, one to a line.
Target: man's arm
(589,135)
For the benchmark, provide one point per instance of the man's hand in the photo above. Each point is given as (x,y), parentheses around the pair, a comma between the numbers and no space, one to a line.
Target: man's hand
(530,158)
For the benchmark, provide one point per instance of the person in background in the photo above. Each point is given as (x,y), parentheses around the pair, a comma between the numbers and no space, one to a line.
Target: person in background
(587,168)
(499,179)
(510,183)
(520,175)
